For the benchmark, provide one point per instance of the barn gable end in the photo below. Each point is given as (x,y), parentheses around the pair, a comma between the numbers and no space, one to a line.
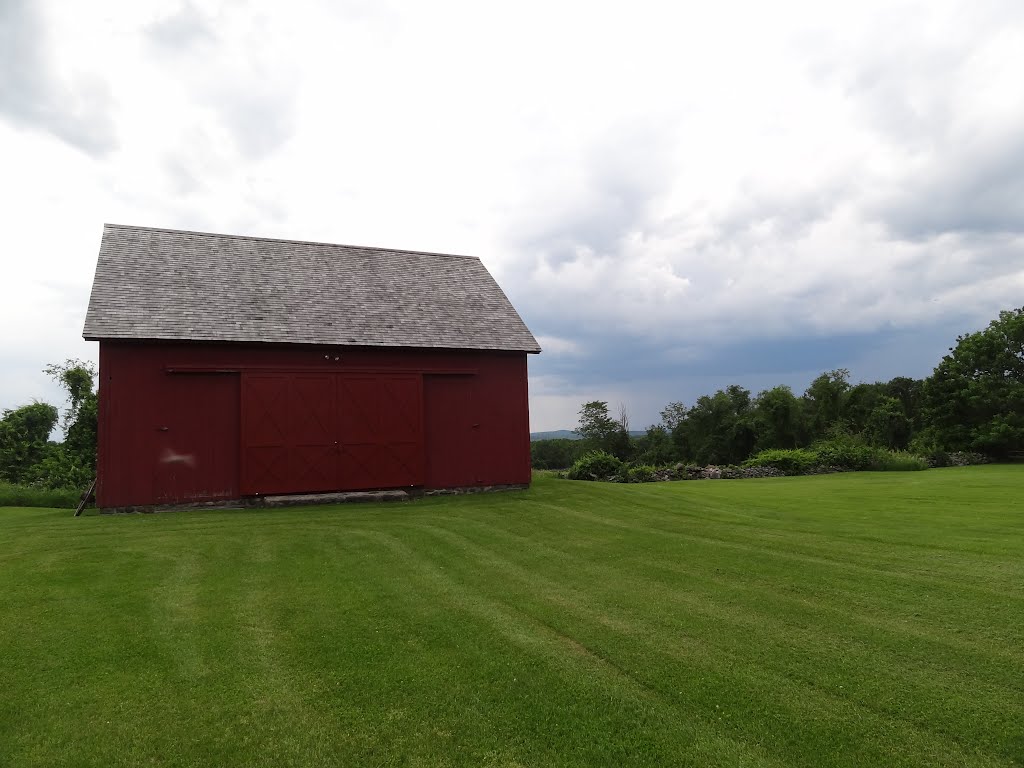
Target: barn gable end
(234,367)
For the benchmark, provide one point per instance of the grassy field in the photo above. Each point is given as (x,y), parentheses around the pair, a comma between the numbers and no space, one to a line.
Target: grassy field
(854,619)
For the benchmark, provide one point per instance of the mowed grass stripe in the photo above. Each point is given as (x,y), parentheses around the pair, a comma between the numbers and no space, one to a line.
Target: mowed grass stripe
(914,608)
(709,619)
(840,620)
(581,670)
(741,602)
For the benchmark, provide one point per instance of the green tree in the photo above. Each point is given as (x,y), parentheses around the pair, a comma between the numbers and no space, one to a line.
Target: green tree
(27,455)
(76,377)
(672,415)
(24,439)
(719,429)
(655,447)
(908,392)
(601,431)
(974,400)
(859,403)
(71,463)
(888,425)
(594,422)
(824,400)
(558,453)
(777,419)
(79,421)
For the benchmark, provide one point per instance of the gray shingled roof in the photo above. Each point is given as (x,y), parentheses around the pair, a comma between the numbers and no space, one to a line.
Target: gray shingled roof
(169,284)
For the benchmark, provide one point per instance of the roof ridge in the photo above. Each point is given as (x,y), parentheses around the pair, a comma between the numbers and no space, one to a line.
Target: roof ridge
(288,240)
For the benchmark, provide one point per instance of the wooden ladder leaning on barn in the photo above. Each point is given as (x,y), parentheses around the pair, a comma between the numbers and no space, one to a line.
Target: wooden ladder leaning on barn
(86,497)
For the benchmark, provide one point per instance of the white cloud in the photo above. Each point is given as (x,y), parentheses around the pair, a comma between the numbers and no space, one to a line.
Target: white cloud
(557,346)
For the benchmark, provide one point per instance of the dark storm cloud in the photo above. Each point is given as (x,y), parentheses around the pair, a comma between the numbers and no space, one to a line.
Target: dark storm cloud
(32,96)
(648,375)
(611,360)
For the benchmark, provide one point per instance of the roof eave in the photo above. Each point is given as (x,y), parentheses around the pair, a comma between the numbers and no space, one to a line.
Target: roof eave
(185,340)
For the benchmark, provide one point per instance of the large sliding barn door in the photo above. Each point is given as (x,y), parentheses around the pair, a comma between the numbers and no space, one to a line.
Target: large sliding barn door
(288,433)
(325,432)
(380,431)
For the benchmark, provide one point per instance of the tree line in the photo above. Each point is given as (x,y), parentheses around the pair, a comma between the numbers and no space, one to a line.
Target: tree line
(973,401)
(29,457)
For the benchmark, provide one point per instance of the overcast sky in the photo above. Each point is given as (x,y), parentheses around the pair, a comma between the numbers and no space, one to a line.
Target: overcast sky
(675,195)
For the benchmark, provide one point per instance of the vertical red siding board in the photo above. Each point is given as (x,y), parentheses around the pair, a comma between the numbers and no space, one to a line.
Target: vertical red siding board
(243,436)
(454,455)
(103,466)
(197,457)
(135,393)
(504,423)
(527,464)
(424,445)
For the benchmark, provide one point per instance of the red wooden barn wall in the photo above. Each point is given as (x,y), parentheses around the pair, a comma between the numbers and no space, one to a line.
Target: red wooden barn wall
(183,422)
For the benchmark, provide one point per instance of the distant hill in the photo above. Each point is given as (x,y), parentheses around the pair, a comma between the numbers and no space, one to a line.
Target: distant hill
(568,434)
(558,434)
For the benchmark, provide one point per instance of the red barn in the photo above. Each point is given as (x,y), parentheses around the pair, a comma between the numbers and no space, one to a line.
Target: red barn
(234,367)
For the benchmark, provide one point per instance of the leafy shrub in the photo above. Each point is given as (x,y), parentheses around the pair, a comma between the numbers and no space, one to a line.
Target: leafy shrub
(60,468)
(927,447)
(13,495)
(595,465)
(791,461)
(848,453)
(641,473)
(839,453)
(901,461)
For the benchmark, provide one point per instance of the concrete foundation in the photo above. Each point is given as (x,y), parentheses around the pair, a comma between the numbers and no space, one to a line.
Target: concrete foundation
(310,499)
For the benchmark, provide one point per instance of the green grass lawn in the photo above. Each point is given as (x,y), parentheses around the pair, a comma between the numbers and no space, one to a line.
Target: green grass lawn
(854,619)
